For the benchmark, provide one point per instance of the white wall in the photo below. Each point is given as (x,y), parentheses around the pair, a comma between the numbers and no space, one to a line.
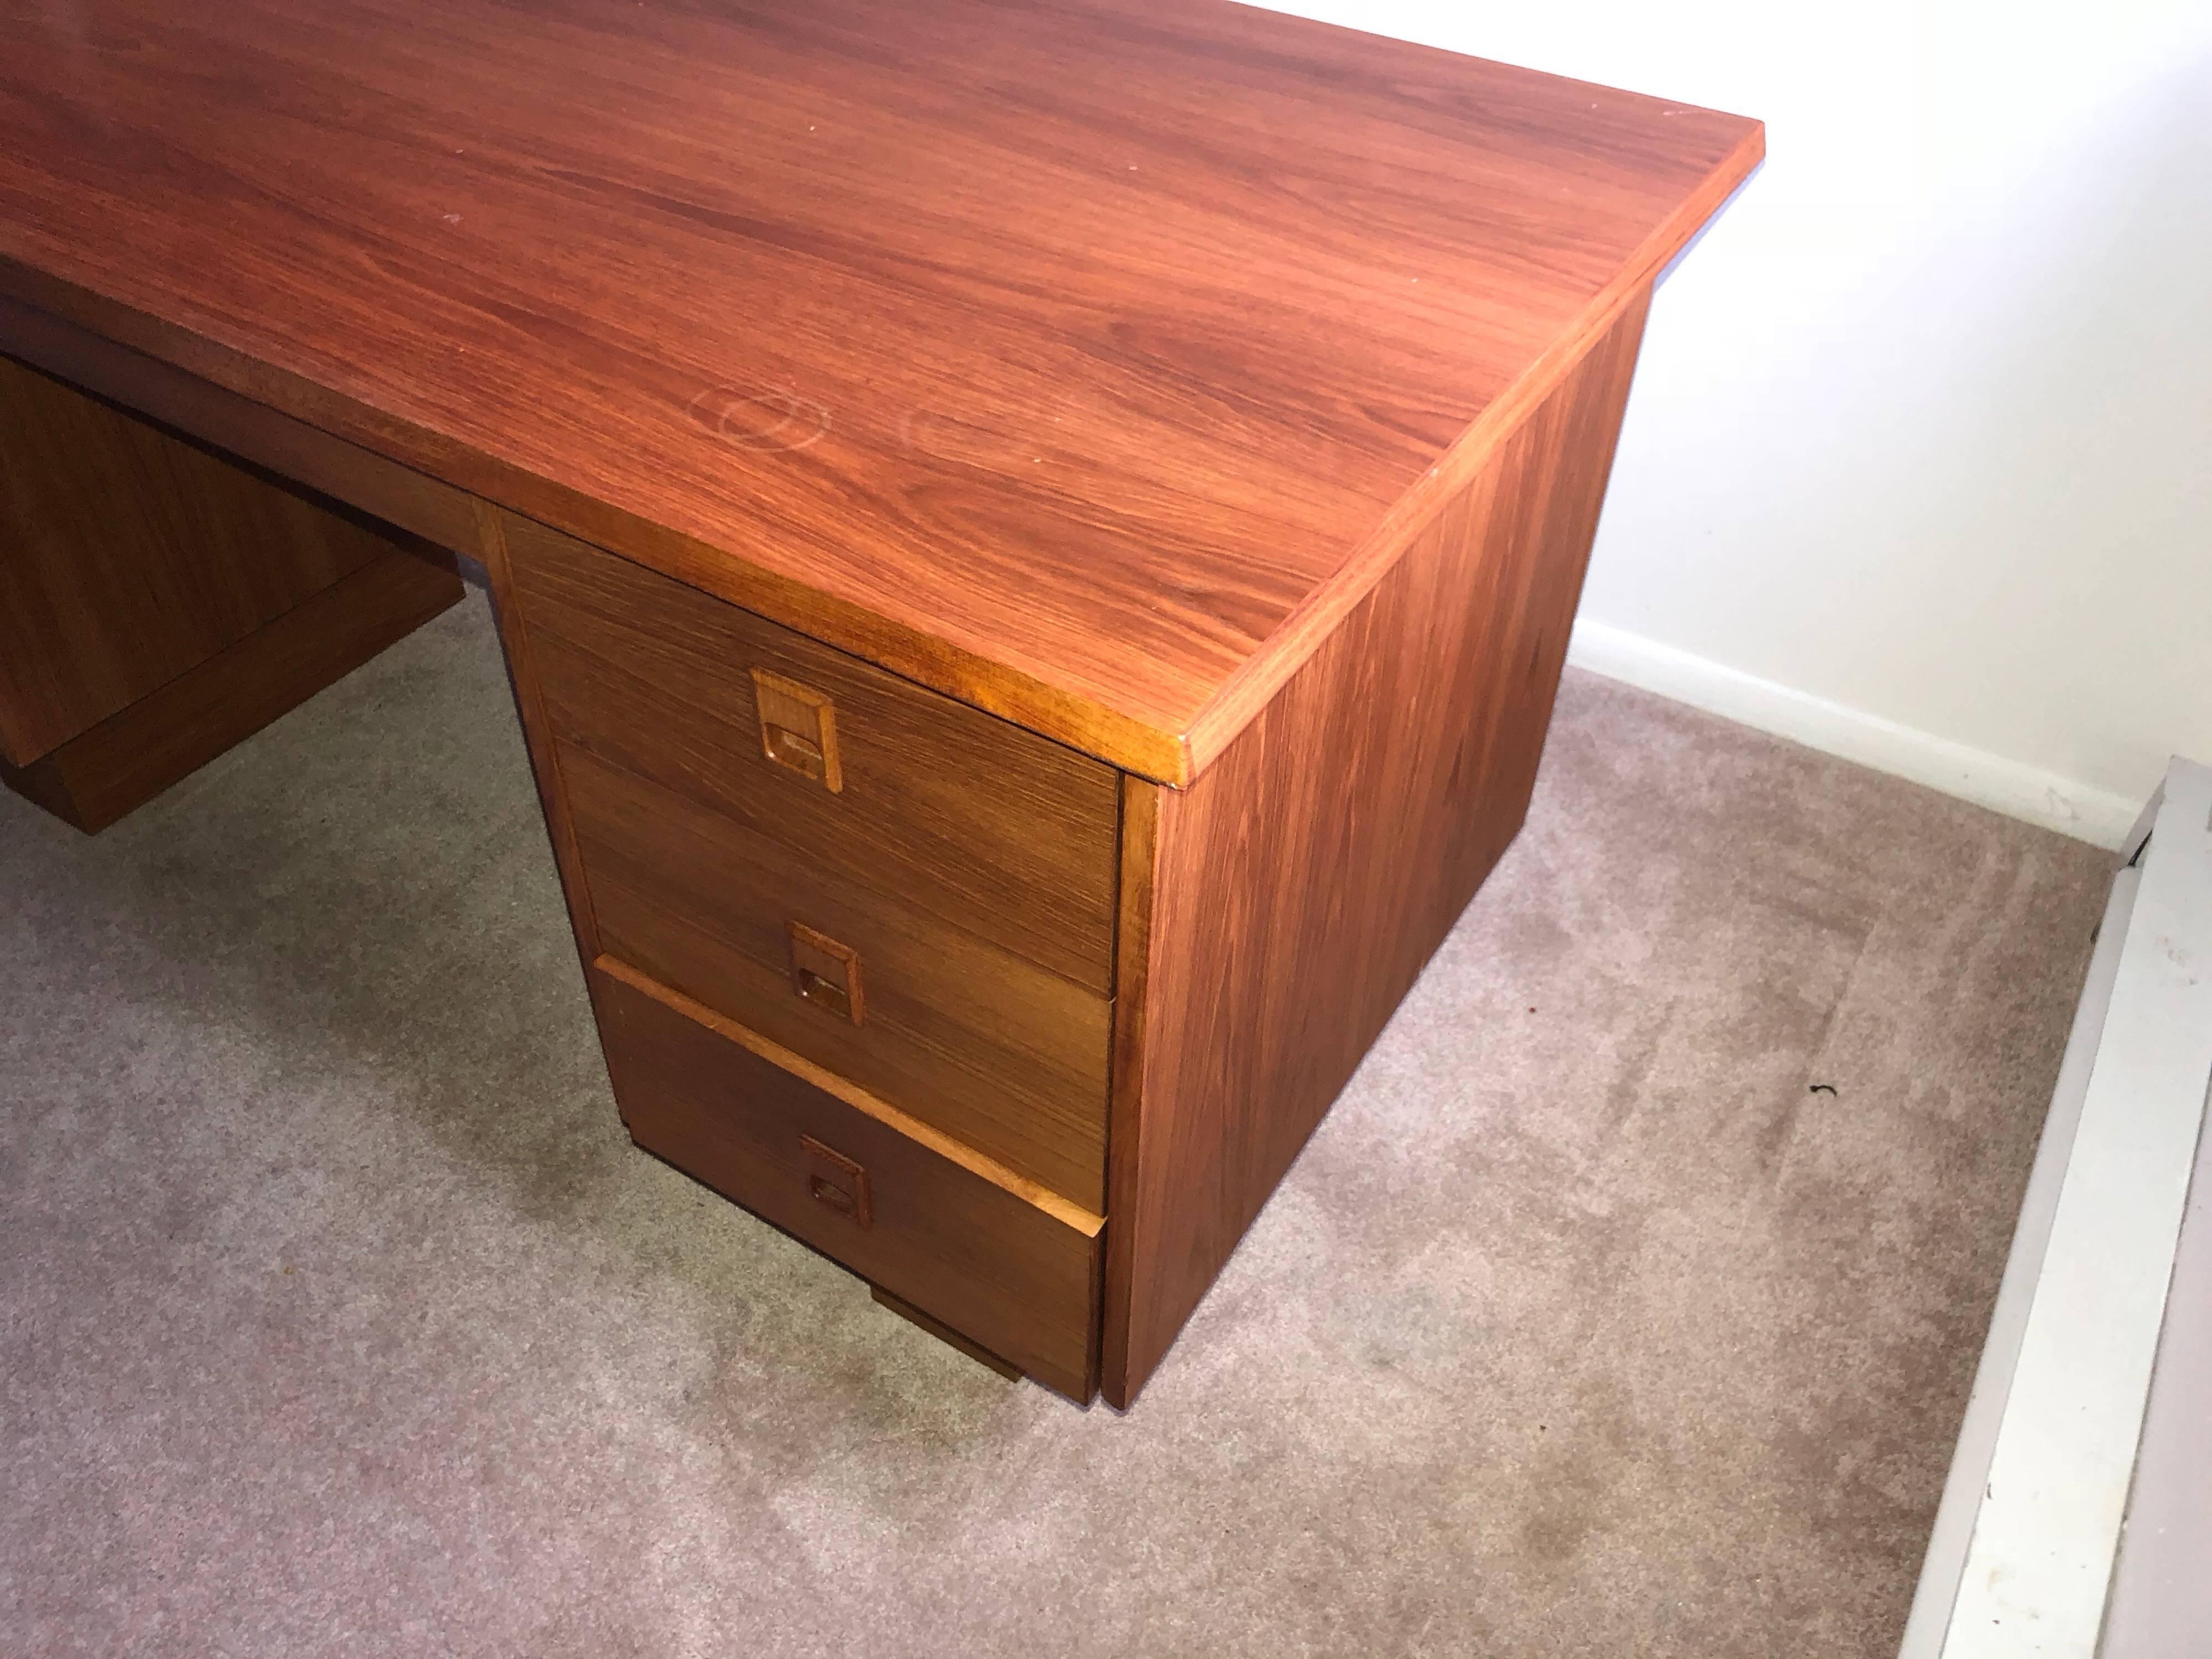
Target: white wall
(1918,467)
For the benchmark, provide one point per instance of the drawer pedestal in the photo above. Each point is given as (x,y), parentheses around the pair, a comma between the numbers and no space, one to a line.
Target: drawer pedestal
(1071,1025)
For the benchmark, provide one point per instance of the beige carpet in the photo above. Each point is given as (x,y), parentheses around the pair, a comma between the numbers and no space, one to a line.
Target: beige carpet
(338,1318)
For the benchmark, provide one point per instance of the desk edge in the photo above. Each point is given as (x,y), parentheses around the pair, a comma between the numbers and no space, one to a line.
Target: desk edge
(166,371)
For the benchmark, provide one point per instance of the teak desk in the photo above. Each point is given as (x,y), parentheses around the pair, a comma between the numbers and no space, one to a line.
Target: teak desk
(1035,542)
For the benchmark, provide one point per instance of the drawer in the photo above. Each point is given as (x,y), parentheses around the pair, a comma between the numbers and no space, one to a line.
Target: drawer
(1013,1268)
(877,781)
(960,1032)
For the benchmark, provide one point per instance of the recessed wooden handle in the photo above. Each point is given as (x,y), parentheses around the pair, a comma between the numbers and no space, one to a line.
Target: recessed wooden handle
(798,728)
(837,1182)
(827,973)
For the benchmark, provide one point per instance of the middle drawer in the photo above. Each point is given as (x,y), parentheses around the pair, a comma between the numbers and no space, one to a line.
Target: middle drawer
(981,1044)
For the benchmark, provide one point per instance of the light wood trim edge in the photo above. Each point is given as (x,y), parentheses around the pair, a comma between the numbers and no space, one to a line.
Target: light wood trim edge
(1133,935)
(1069,1215)
(536,729)
(1254,683)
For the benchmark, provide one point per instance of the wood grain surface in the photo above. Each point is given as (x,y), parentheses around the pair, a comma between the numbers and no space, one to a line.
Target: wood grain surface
(144,748)
(1087,360)
(128,556)
(242,428)
(1299,886)
(1018,1279)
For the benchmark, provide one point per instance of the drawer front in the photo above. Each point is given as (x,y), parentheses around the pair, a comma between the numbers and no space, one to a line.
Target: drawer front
(958,1031)
(966,1247)
(864,775)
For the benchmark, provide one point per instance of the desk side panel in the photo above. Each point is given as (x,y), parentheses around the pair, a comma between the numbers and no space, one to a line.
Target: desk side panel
(146,747)
(129,556)
(162,599)
(1295,890)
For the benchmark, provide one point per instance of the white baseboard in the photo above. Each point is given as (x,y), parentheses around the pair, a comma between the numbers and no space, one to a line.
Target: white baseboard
(2003,786)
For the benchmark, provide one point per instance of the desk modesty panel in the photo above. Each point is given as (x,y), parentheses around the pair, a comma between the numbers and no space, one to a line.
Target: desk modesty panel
(1036,543)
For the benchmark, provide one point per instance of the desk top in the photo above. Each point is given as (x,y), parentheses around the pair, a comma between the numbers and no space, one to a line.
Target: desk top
(1085,359)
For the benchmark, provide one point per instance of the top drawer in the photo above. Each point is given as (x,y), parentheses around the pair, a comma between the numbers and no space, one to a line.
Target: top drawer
(1005,834)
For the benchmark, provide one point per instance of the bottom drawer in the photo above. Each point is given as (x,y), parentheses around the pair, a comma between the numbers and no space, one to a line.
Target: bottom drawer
(1006,1263)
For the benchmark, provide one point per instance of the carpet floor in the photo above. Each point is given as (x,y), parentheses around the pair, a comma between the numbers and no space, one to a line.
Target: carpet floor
(1626,1304)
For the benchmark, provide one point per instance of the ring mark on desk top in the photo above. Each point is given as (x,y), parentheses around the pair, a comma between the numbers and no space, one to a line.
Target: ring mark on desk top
(764,418)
